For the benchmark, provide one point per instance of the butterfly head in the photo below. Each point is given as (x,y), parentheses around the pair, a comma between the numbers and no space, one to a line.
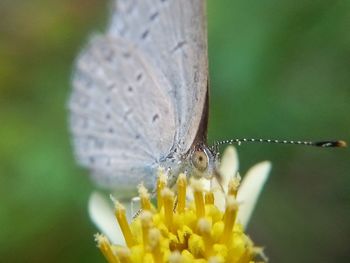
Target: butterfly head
(203,161)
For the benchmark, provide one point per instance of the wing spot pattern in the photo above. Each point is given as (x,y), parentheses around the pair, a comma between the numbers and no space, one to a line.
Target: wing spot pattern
(145,34)
(139,77)
(130,89)
(94,142)
(153,16)
(178,46)
(155,117)
(196,76)
(107,54)
(126,54)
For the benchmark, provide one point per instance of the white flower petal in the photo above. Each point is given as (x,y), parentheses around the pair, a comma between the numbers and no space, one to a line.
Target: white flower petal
(228,166)
(250,189)
(102,214)
(228,169)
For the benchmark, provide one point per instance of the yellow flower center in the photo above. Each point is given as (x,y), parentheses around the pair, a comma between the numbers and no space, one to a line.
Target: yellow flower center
(178,230)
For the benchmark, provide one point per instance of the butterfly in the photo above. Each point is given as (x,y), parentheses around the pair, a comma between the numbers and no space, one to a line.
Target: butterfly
(140,95)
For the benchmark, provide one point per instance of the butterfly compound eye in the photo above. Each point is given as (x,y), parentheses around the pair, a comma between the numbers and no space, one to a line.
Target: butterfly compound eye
(200,160)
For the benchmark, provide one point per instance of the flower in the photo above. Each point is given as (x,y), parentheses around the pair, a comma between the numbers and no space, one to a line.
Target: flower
(209,227)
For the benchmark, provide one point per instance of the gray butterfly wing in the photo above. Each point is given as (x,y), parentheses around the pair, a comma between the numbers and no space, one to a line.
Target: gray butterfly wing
(139,91)
(173,36)
(122,119)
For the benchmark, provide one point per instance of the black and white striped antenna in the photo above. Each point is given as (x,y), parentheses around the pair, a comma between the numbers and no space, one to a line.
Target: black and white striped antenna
(324,144)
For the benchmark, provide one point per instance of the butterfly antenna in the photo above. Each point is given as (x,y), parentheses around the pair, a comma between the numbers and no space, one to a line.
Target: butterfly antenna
(324,144)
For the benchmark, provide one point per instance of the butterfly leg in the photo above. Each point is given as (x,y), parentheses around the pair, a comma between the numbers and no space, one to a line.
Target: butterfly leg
(135,206)
(175,204)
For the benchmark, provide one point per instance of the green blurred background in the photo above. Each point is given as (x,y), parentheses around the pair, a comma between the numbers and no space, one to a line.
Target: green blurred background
(278,69)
